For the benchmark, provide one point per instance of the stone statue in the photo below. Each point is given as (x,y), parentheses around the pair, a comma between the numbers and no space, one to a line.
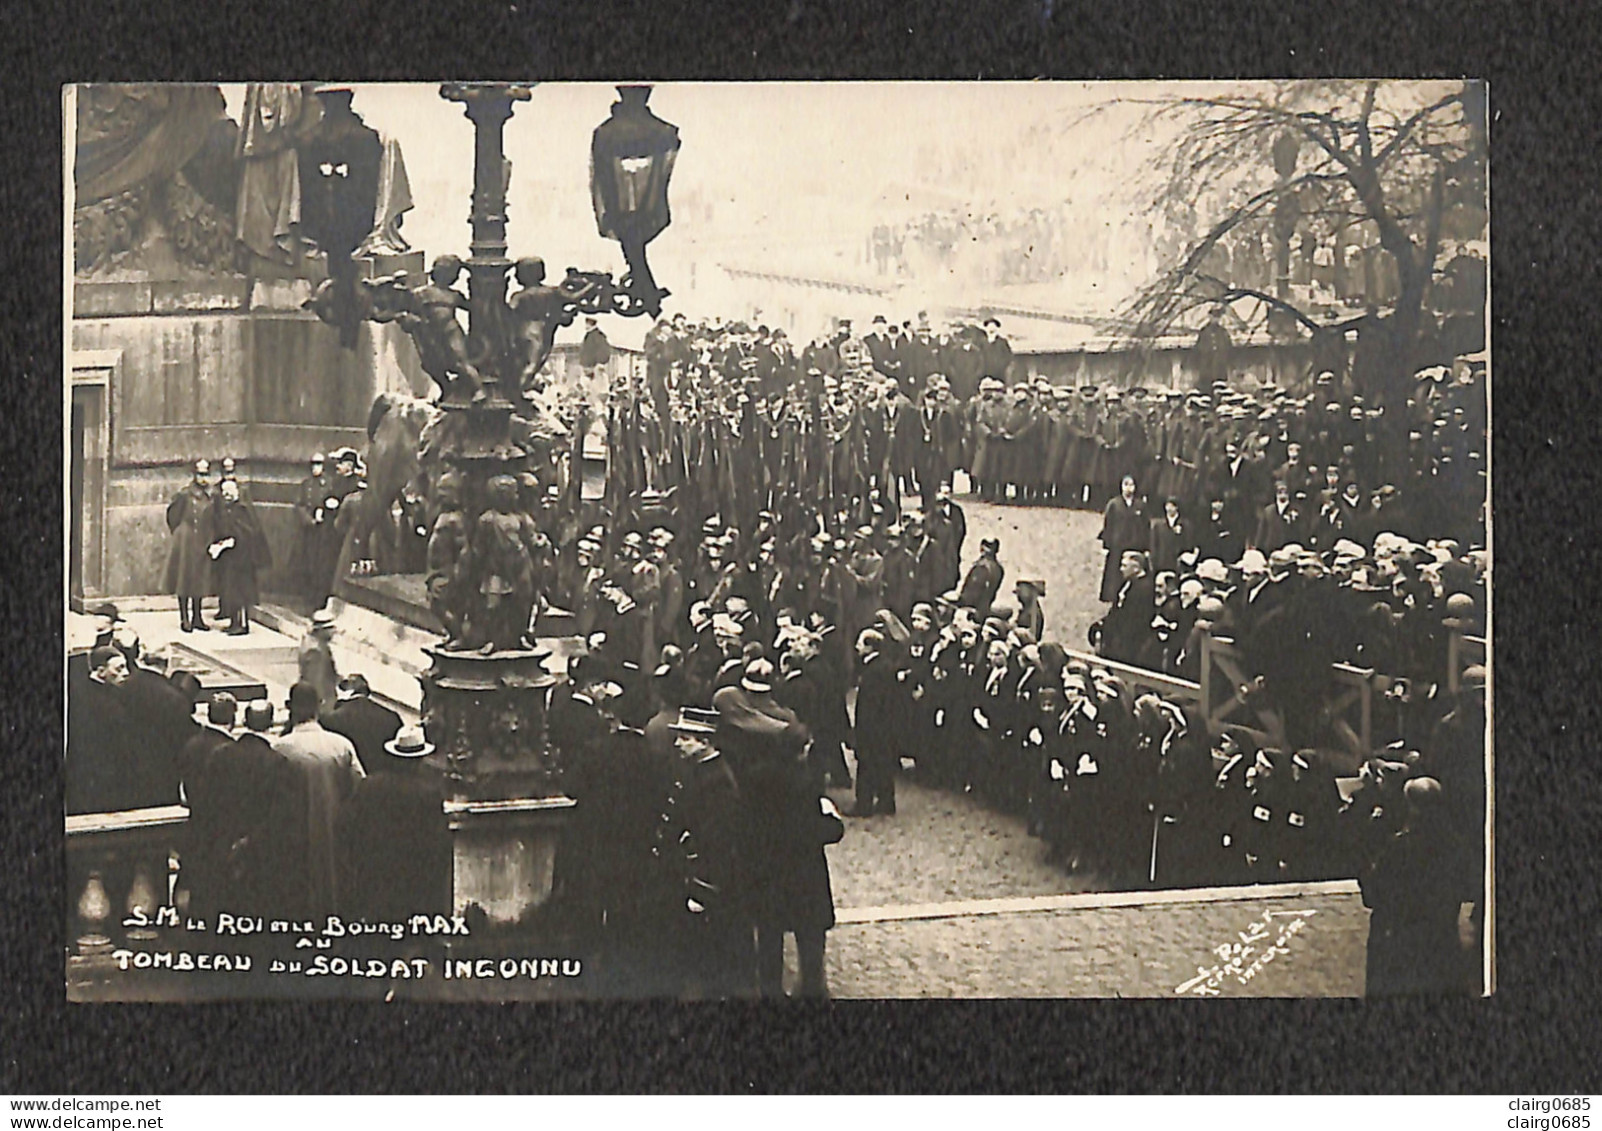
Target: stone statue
(449,557)
(428,314)
(538,311)
(504,547)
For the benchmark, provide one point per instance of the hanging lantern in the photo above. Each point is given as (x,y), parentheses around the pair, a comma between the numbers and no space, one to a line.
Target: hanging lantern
(631,162)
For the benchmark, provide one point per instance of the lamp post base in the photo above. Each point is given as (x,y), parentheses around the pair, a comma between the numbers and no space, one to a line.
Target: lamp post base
(505,808)
(504,857)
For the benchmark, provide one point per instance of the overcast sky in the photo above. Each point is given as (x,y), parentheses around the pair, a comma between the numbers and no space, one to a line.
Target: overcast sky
(782,163)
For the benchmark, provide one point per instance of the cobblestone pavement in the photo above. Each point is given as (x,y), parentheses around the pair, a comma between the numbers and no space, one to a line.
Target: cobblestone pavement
(1152,950)
(1054,544)
(939,846)
(942,847)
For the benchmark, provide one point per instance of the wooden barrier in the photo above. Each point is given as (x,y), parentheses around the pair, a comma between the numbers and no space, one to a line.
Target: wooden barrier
(1170,687)
(1349,707)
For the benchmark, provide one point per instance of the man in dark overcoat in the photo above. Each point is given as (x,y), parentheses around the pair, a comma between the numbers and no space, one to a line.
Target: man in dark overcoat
(786,868)
(189,517)
(1123,527)
(239,552)
(100,738)
(997,351)
(984,578)
(314,529)
(1279,522)
(879,726)
(962,360)
(395,846)
(160,717)
(367,724)
(947,526)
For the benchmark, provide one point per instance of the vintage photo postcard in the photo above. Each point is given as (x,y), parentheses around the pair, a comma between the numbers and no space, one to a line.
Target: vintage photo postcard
(876,540)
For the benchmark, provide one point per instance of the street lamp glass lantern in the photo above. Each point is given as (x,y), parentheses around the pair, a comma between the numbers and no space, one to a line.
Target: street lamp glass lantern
(631,161)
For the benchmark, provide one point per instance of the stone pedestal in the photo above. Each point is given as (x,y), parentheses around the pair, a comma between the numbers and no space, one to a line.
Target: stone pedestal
(505,855)
(504,804)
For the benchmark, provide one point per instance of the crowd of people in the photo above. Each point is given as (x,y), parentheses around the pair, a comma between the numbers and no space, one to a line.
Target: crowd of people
(848,581)
(294,813)
(778,540)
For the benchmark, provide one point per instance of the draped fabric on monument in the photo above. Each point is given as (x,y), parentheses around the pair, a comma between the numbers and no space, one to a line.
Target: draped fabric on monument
(394,201)
(277,116)
(130,134)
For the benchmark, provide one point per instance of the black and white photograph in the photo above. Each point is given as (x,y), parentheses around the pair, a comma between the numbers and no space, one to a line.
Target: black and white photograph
(700,541)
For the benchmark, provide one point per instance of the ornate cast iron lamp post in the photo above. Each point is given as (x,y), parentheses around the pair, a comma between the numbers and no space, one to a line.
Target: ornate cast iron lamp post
(484,696)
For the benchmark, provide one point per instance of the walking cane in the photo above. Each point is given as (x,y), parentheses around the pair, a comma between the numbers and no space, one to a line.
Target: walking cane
(1166,820)
(1157,819)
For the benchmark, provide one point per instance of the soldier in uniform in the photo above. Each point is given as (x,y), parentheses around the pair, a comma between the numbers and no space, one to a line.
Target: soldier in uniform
(191,519)
(699,841)
(313,529)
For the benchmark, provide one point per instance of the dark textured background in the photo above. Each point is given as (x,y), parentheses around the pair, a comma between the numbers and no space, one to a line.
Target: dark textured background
(1540,1033)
